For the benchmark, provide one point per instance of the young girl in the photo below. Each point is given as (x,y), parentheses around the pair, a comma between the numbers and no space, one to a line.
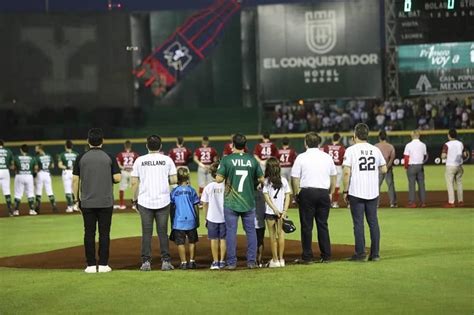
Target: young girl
(186,218)
(277,193)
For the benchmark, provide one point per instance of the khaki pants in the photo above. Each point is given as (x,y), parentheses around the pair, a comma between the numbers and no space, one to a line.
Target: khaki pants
(453,175)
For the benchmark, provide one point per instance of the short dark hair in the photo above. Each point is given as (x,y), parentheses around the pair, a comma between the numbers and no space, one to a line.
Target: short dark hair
(183,175)
(285,141)
(361,131)
(205,138)
(1,142)
(453,133)
(153,143)
(239,141)
(69,144)
(383,135)
(213,169)
(180,140)
(266,135)
(95,137)
(24,148)
(336,137)
(128,143)
(312,140)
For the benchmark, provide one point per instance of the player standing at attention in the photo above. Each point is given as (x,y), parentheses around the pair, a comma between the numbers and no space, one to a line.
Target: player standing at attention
(25,166)
(204,156)
(125,160)
(265,150)
(362,164)
(181,155)
(287,157)
(228,148)
(453,154)
(43,178)
(66,163)
(415,155)
(336,150)
(6,163)
(241,173)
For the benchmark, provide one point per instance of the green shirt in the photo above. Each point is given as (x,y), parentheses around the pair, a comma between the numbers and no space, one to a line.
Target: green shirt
(25,164)
(45,162)
(6,158)
(241,171)
(68,159)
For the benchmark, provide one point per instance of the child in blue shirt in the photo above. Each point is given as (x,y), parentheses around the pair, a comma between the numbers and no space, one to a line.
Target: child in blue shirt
(186,218)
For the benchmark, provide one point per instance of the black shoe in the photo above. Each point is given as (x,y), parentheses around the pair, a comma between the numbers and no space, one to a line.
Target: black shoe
(376,258)
(192,265)
(304,261)
(357,258)
(183,266)
(324,261)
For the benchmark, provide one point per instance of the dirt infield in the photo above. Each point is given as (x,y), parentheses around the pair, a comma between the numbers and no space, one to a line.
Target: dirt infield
(125,254)
(434,199)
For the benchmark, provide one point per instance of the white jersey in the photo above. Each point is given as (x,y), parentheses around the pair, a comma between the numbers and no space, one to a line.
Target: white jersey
(153,170)
(214,195)
(453,150)
(364,160)
(277,195)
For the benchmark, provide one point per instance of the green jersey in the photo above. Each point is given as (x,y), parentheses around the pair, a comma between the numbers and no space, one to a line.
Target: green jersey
(241,171)
(45,162)
(68,159)
(25,164)
(6,158)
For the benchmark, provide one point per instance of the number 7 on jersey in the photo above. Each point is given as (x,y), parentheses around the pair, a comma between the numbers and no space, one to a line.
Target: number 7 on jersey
(243,175)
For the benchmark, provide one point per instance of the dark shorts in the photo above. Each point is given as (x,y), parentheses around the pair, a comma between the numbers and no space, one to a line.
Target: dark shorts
(260,236)
(271,217)
(215,231)
(180,236)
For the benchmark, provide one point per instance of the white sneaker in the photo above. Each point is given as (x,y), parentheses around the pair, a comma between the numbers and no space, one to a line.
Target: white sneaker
(69,210)
(274,264)
(134,207)
(335,205)
(122,207)
(282,263)
(16,213)
(33,212)
(104,269)
(116,206)
(91,269)
(75,208)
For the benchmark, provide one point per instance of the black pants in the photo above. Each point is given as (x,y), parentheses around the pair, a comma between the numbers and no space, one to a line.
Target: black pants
(359,207)
(92,217)
(314,204)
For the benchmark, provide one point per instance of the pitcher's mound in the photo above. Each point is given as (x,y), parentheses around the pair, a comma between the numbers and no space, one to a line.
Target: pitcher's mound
(125,254)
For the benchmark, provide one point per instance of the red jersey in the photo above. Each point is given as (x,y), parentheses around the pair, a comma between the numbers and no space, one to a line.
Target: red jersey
(336,151)
(265,150)
(180,156)
(206,155)
(228,149)
(287,157)
(126,159)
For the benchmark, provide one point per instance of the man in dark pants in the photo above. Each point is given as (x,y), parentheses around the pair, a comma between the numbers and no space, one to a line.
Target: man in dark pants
(314,180)
(362,164)
(151,176)
(94,174)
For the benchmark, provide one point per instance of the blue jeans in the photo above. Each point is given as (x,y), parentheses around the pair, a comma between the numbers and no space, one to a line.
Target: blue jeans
(231,223)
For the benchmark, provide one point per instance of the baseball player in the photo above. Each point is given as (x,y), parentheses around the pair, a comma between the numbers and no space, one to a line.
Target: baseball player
(265,150)
(180,155)
(6,163)
(45,163)
(453,153)
(66,163)
(25,166)
(229,148)
(204,156)
(287,157)
(336,150)
(125,160)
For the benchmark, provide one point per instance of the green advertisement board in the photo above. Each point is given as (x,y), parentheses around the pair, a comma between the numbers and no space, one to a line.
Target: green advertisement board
(320,50)
(436,68)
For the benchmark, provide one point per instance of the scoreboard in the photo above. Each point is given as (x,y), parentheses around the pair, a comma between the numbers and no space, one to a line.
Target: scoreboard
(434,21)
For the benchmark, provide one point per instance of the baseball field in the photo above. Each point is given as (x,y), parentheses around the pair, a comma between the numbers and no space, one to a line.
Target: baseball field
(426,267)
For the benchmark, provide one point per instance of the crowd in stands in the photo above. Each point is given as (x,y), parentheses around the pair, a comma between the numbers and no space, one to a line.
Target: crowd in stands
(332,116)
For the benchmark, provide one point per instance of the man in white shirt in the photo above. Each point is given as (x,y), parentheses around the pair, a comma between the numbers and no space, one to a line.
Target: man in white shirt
(415,155)
(453,153)
(314,181)
(151,176)
(363,163)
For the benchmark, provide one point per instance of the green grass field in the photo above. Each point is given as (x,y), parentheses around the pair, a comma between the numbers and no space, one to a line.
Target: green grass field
(434,181)
(426,267)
